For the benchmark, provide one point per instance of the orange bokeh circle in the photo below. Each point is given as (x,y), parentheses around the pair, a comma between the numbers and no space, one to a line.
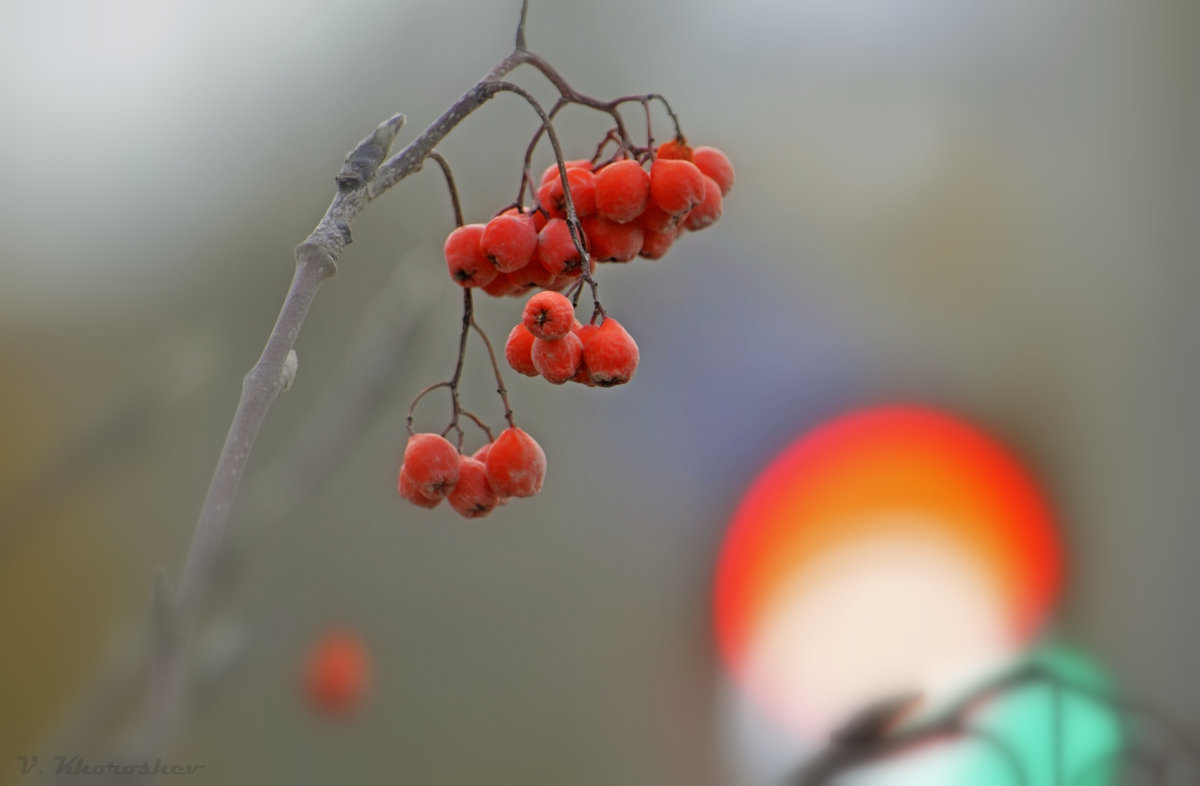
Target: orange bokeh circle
(822,491)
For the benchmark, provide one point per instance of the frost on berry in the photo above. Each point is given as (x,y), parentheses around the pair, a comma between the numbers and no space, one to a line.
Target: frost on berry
(611,354)
(548,315)
(716,165)
(622,191)
(516,464)
(509,241)
(468,266)
(707,212)
(517,350)
(473,497)
(676,186)
(432,463)
(558,360)
(337,674)
(410,491)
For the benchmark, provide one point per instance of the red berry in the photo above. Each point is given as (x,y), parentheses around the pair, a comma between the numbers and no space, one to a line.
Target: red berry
(473,497)
(539,220)
(509,241)
(610,241)
(714,163)
(557,361)
(502,285)
(517,351)
(410,491)
(548,315)
(622,191)
(432,463)
(551,172)
(675,185)
(583,194)
(516,464)
(468,266)
(611,354)
(532,275)
(337,674)
(556,249)
(707,212)
(655,219)
(656,244)
(674,149)
(481,454)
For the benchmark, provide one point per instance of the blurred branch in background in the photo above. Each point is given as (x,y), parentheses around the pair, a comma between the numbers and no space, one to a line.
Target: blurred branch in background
(892,728)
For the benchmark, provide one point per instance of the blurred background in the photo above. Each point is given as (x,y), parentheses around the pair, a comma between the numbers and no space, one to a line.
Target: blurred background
(984,207)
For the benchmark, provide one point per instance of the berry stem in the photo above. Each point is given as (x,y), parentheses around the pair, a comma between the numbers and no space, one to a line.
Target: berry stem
(445,165)
(487,342)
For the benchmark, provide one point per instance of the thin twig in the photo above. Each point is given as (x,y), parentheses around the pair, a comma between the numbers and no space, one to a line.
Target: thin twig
(445,165)
(364,177)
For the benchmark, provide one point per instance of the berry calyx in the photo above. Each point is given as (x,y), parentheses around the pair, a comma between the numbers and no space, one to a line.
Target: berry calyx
(509,241)
(611,354)
(548,315)
(622,191)
(557,360)
(432,464)
(337,674)
(516,464)
(473,497)
(716,165)
(468,265)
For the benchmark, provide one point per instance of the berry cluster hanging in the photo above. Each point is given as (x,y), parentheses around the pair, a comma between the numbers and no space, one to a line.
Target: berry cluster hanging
(635,202)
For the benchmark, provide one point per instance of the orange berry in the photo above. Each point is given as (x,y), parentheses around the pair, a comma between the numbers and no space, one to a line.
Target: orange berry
(716,165)
(502,285)
(707,212)
(675,185)
(337,674)
(655,219)
(517,351)
(410,491)
(432,463)
(548,315)
(622,191)
(509,241)
(530,276)
(656,244)
(674,149)
(551,172)
(610,241)
(557,360)
(611,354)
(473,497)
(583,194)
(556,249)
(516,464)
(468,266)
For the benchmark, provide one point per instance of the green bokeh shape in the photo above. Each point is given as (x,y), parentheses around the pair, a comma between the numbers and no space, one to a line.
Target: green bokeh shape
(1089,732)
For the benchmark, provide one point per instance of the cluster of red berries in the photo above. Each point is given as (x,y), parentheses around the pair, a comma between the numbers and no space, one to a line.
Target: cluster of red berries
(551,343)
(624,211)
(514,465)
